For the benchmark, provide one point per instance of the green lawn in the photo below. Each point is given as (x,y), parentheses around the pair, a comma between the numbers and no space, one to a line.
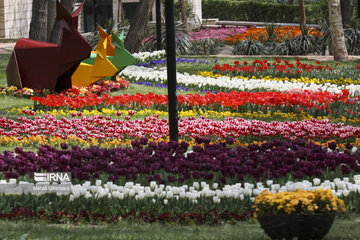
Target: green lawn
(342,229)
(4,59)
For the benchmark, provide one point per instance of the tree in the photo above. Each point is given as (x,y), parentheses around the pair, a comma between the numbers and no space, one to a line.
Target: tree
(51,16)
(121,14)
(302,13)
(345,6)
(38,24)
(56,32)
(43,26)
(337,31)
(136,32)
(183,13)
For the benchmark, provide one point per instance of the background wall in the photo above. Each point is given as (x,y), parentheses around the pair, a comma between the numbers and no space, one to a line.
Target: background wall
(15,18)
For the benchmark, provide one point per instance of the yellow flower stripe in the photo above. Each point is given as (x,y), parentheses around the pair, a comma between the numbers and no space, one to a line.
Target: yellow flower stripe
(36,141)
(299,201)
(341,80)
(278,115)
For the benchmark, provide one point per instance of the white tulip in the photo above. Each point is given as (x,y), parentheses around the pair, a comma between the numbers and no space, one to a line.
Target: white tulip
(121,196)
(88,195)
(153,184)
(98,182)
(71,198)
(316,181)
(169,194)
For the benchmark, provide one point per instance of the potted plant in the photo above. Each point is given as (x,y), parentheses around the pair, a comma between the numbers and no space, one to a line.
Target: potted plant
(301,214)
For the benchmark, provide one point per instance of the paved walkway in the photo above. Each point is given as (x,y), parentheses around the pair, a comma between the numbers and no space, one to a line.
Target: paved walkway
(7,48)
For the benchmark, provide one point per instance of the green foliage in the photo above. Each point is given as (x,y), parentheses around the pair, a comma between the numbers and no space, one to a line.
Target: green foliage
(182,42)
(189,9)
(204,47)
(262,11)
(248,47)
(352,39)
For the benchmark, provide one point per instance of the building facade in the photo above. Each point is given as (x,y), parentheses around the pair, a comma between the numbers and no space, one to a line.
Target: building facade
(15,15)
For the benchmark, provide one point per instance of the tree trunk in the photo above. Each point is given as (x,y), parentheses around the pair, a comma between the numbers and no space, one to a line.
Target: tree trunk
(38,25)
(302,13)
(337,32)
(291,2)
(183,13)
(56,32)
(121,13)
(51,15)
(135,35)
(345,6)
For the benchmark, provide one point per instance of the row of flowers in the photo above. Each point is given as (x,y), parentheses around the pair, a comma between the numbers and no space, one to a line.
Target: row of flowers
(320,81)
(261,34)
(153,199)
(197,190)
(117,113)
(173,163)
(224,83)
(142,57)
(279,68)
(98,127)
(219,33)
(316,104)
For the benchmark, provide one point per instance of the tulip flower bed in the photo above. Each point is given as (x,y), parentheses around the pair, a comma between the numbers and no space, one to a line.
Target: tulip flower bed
(264,126)
(282,69)
(124,114)
(314,103)
(172,163)
(260,34)
(97,130)
(200,201)
(225,83)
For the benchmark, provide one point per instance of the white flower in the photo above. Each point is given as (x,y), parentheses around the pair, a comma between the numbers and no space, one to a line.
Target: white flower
(129,185)
(88,195)
(316,181)
(169,194)
(86,184)
(71,198)
(132,193)
(121,196)
(346,193)
(98,182)
(152,184)
(269,182)
(165,201)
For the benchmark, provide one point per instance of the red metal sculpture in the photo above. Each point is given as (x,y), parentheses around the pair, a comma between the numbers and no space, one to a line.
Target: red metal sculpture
(40,65)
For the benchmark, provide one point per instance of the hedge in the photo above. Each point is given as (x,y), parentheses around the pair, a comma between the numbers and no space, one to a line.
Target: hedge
(258,11)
